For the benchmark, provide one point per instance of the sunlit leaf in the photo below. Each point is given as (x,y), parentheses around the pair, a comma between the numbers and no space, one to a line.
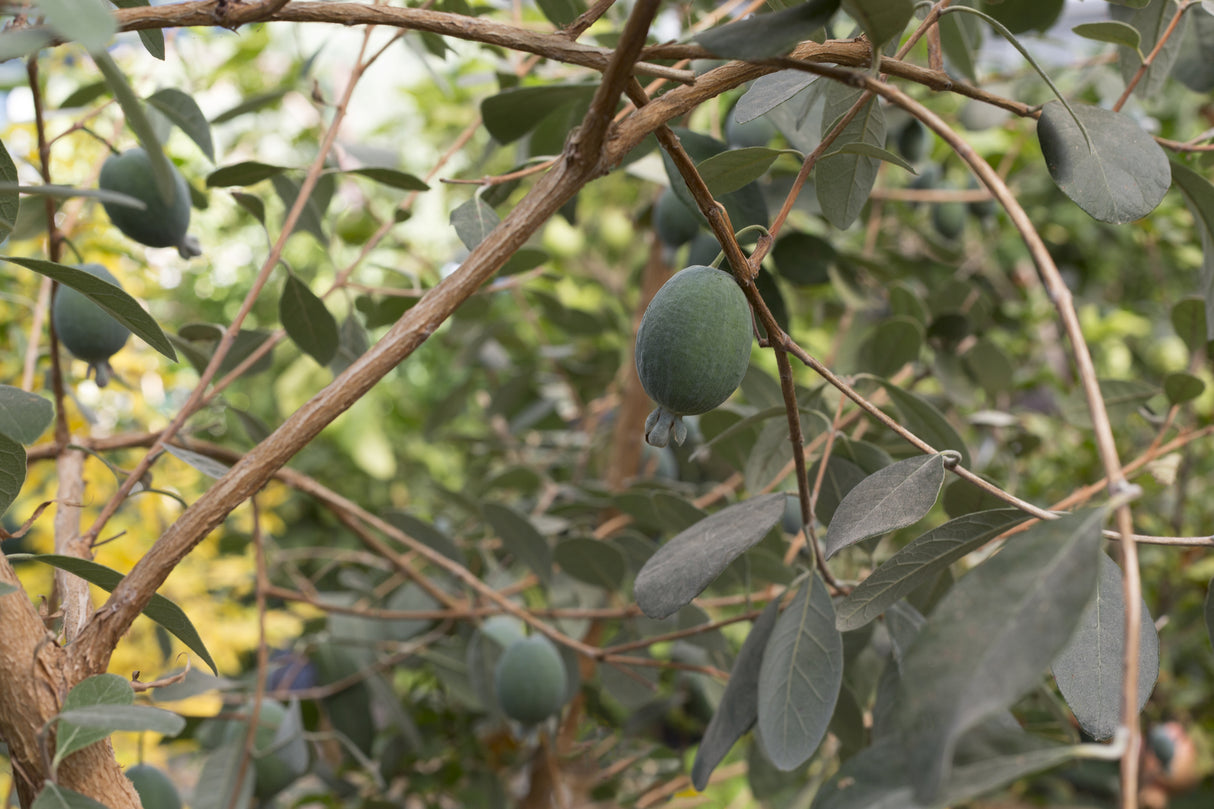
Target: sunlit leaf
(88,22)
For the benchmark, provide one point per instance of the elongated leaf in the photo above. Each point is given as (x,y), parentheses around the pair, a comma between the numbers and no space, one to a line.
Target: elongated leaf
(513,113)
(425,533)
(767,35)
(560,12)
(844,180)
(919,560)
(391,178)
(1122,398)
(204,464)
(85,21)
(734,168)
(98,690)
(882,20)
(738,709)
(10,203)
(800,677)
(1121,176)
(1194,68)
(109,297)
(960,38)
(124,717)
(1118,33)
(219,774)
(12,471)
(770,91)
(1089,670)
(54,796)
(872,150)
(183,110)
(308,321)
(593,561)
(159,609)
(1199,195)
(137,119)
(473,220)
(880,777)
(521,538)
(895,497)
(24,416)
(311,216)
(684,566)
(1020,16)
(840,477)
(991,637)
(248,172)
(746,206)
(923,419)
(152,38)
(1182,387)
(1151,21)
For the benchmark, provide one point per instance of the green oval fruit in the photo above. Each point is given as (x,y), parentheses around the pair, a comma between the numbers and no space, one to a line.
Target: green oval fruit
(530,680)
(692,348)
(913,141)
(948,218)
(277,762)
(85,329)
(156,790)
(674,222)
(162,223)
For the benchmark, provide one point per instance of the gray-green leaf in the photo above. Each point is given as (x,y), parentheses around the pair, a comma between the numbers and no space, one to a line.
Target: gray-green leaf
(1199,195)
(308,321)
(767,35)
(521,538)
(23,416)
(895,497)
(183,111)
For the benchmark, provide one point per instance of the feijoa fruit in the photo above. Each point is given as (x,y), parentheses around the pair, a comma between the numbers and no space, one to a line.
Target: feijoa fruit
(530,680)
(692,348)
(85,329)
(162,223)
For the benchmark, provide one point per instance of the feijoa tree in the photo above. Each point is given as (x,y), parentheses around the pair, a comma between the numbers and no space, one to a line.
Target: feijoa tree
(385,267)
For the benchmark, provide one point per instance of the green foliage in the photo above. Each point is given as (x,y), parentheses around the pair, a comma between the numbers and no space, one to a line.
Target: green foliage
(154,786)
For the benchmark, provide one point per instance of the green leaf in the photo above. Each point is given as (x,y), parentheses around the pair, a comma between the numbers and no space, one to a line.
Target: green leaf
(889,345)
(803,259)
(513,113)
(592,561)
(882,20)
(989,639)
(110,718)
(895,497)
(248,172)
(923,419)
(843,180)
(1181,387)
(520,537)
(960,38)
(204,464)
(800,677)
(12,471)
(10,201)
(560,12)
(111,298)
(183,111)
(919,560)
(738,709)
(734,168)
(1151,22)
(1089,670)
(219,773)
(1122,398)
(1194,68)
(251,104)
(1189,322)
(746,206)
(252,204)
(391,178)
(684,566)
(307,321)
(100,689)
(1118,33)
(989,366)
(840,477)
(473,220)
(137,119)
(159,609)
(311,217)
(1021,16)
(24,416)
(1210,611)
(152,38)
(766,35)
(85,21)
(1119,178)
(1199,196)
(425,533)
(874,151)
(54,796)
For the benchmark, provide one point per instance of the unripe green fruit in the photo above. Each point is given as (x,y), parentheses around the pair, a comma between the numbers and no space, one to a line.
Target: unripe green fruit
(156,790)
(913,141)
(949,219)
(692,348)
(530,680)
(674,222)
(85,329)
(162,223)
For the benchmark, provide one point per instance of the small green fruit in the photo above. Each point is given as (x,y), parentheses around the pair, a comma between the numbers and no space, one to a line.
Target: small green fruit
(162,223)
(674,222)
(530,680)
(156,790)
(692,348)
(85,329)
(948,218)
(914,143)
